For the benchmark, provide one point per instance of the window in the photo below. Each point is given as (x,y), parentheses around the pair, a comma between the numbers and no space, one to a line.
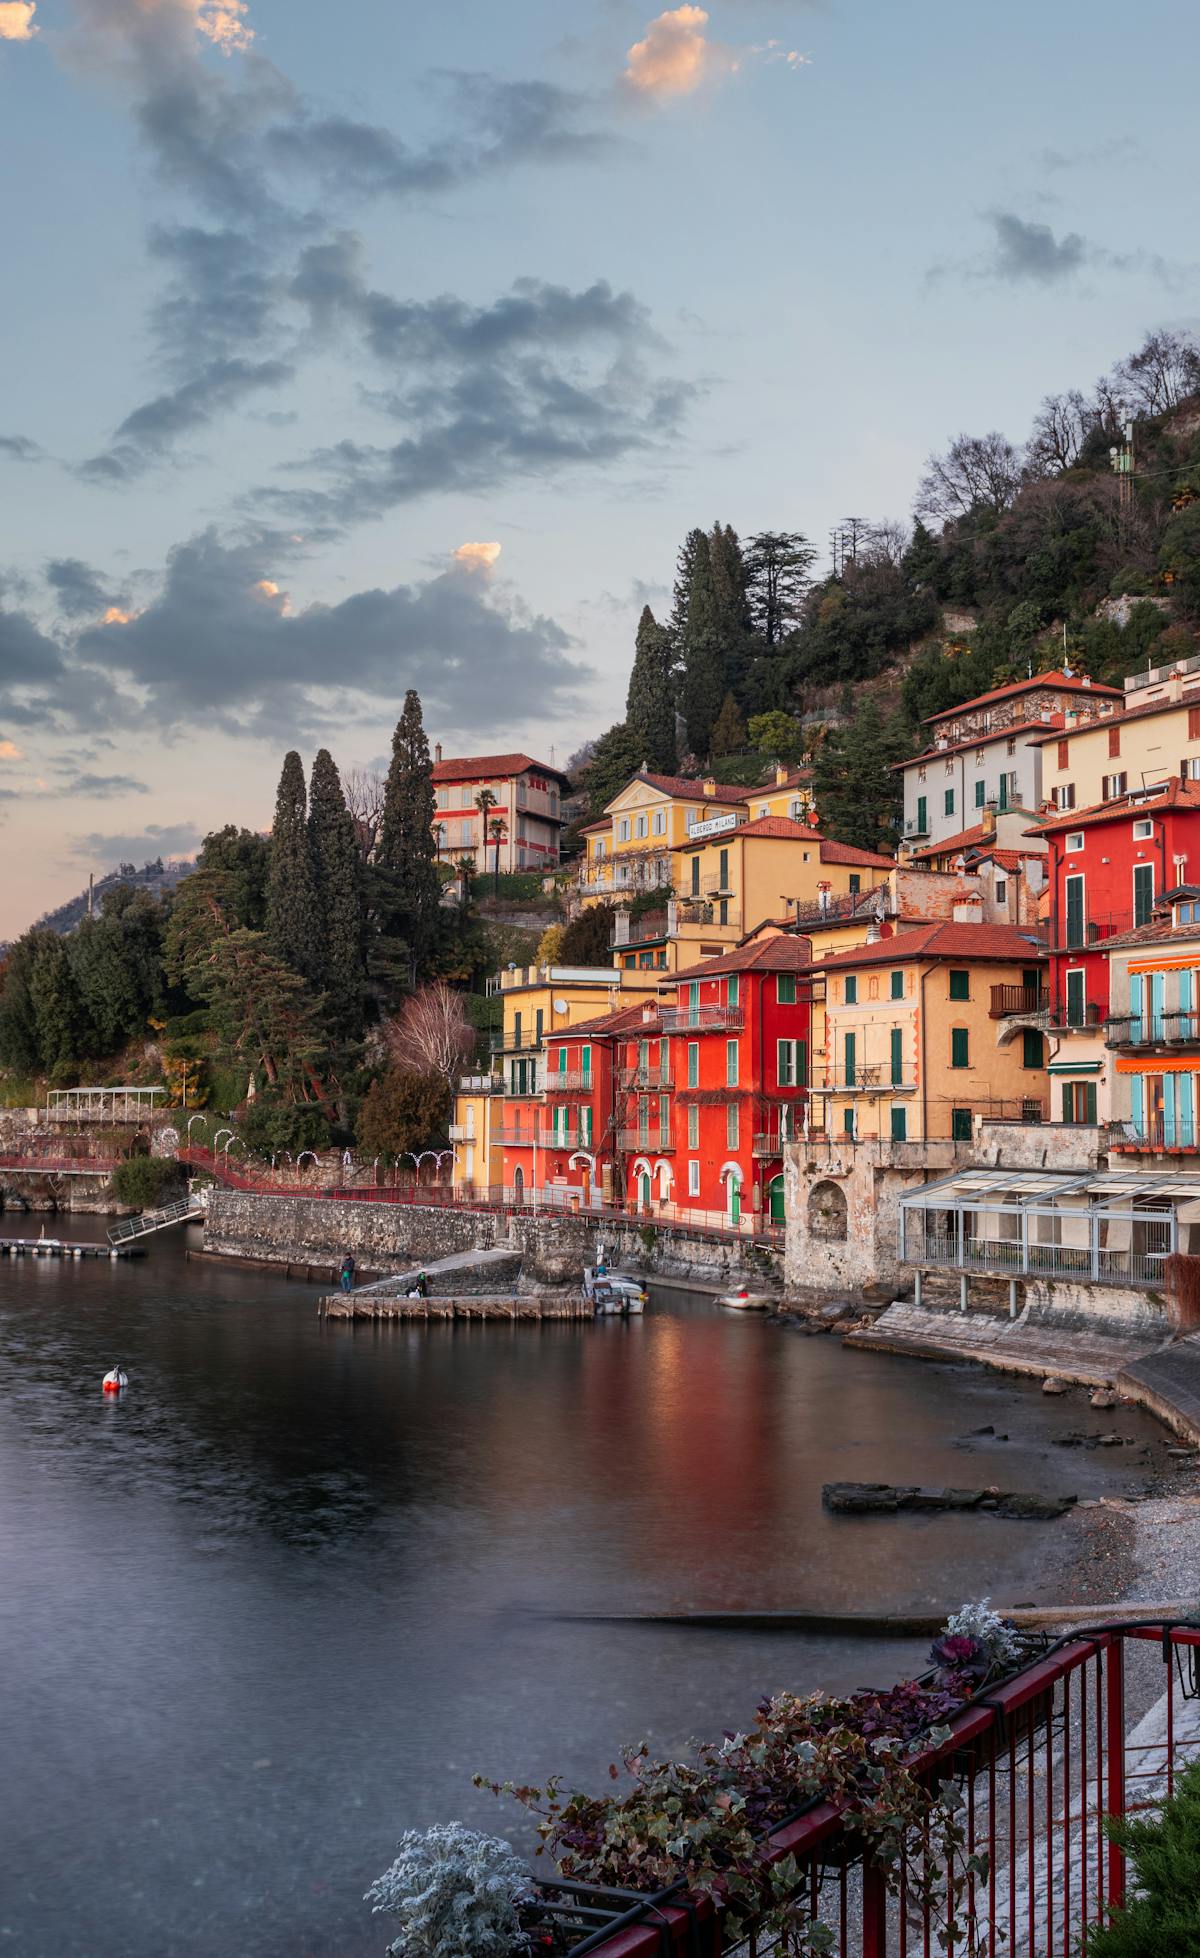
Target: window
(693,1078)
(960,985)
(796,810)
(1143,830)
(1064,753)
(1190,770)
(660,822)
(1075,922)
(731,990)
(1113,786)
(1143,893)
(980,793)
(639,827)
(1012,744)
(723,870)
(791,1063)
(896,1049)
(1033,1049)
(1187,913)
(948,800)
(960,1047)
(1076,1003)
(897,985)
(1079,1101)
(1194,723)
(848,1121)
(693,1119)
(1073,841)
(693,1179)
(1064,796)
(850,1058)
(785,989)
(731,1063)
(960,1124)
(623,829)
(587,1063)
(539,1021)
(922,815)
(900,1124)
(1001,890)
(949,766)
(855,883)
(695,876)
(1114,740)
(921,773)
(732,1126)
(851,990)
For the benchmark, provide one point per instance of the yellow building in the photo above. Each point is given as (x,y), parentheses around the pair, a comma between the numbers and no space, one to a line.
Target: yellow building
(1150,737)
(477,1103)
(629,849)
(919,1034)
(738,873)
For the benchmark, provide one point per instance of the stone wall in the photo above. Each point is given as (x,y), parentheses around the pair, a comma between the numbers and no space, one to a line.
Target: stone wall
(393,1236)
(842,1205)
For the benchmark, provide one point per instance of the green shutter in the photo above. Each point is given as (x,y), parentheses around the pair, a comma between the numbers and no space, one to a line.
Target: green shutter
(960,1047)
(899,1124)
(1075,920)
(850,1064)
(922,816)
(897,985)
(1034,1052)
(1068,1101)
(980,793)
(960,1124)
(960,985)
(897,1056)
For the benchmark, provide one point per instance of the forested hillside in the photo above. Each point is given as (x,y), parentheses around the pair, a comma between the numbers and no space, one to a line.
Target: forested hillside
(1012,562)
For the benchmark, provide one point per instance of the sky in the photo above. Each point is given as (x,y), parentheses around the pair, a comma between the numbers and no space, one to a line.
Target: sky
(351,348)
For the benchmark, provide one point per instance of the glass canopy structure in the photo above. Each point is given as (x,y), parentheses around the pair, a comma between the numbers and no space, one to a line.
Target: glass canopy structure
(1096,1227)
(103,1104)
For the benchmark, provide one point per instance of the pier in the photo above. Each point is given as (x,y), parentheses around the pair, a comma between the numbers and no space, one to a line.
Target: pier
(455,1291)
(58,1247)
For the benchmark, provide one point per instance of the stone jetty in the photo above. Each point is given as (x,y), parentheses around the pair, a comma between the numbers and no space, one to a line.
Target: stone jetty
(466,1285)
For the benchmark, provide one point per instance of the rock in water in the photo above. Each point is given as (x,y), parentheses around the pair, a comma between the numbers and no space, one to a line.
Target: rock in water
(1053,1385)
(1103,1397)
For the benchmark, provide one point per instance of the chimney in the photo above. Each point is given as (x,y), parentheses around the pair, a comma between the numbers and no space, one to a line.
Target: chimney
(873,932)
(437,751)
(989,819)
(709,785)
(781,774)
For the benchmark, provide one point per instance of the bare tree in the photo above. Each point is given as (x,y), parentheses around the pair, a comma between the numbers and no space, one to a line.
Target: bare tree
(887,543)
(1163,371)
(365,790)
(431,1033)
(976,472)
(1060,429)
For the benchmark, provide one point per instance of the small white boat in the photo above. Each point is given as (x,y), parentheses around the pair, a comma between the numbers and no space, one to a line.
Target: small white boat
(744,1301)
(612,1291)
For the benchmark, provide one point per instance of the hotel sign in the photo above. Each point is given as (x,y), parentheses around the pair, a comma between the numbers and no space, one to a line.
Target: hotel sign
(715,826)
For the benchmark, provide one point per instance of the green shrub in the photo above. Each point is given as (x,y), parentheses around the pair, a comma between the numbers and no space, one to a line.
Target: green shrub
(1162,1917)
(147,1181)
(268,1127)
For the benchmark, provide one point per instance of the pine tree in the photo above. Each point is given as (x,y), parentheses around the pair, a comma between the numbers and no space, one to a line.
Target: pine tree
(650,705)
(696,635)
(778,564)
(855,785)
(293,917)
(729,729)
(734,621)
(336,870)
(407,846)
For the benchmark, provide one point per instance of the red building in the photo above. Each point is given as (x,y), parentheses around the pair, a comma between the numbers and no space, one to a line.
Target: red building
(578,1122)
(1108,867)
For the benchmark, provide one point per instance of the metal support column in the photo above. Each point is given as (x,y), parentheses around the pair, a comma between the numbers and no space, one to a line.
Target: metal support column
(1012,1298)
(917,1286)
(962,1292)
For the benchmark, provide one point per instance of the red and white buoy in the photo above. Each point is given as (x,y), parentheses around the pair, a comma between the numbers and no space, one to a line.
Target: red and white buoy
(114,1380)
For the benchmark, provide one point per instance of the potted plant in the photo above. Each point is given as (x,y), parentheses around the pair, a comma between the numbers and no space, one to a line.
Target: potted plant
(458,1894)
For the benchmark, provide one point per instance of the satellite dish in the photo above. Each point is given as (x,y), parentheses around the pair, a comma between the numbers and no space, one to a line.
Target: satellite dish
(561,1006)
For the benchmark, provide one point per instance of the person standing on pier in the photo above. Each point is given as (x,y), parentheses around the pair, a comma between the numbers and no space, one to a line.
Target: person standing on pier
(348,1271)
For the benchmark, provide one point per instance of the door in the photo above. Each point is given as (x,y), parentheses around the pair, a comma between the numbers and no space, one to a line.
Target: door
(735,1201)
(518,1186)
(1075,920)
(1158,987)
(1143,892)
(1076,1005)
(643,1191)
(775,1199)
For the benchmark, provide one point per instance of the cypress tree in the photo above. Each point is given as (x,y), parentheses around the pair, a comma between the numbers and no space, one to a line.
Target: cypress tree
(734,621)
(293,916)
(698,641)
(335,860)
(407,848)
(650,705)
(729,729)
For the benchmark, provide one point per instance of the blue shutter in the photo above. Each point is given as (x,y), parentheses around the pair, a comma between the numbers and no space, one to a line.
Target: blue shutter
(1136,1005)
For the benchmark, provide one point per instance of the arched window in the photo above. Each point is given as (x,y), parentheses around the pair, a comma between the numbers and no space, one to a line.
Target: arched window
(827,1211)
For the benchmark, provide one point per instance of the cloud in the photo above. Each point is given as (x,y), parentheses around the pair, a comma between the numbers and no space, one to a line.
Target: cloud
(16,20)
(1031,251)
(9,751)
(1118,149)
(222,640)
(675,57)
(80,592)
(477,557)
(224,25)
(102,787)
(146,434)
(156,840)
(18,448)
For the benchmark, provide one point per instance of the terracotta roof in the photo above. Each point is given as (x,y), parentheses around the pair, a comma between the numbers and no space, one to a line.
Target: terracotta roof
(1151,934)
(1065,682)
(783,826)
(585,829)
(1173,794)
(964,839)
(689,788)
(833,852)
(945,941)
(478,768)
(779,954)
(1189,698)
(1053,726)
(625,1018)
(1012,859)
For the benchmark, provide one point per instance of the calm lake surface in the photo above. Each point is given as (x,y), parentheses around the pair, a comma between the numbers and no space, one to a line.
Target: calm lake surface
(282,1600)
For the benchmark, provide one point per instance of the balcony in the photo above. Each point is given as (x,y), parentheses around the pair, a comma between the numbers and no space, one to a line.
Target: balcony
(699,911)
(568,1081)
(1073,1016)
(869,1078)
(832,905)
(527,1040)
(771,1144)
(1008,1257)
(462,1132)
(1008,1000)
(1071,933)
(1152,1030)
(649,1141)
(701,1019)
(915,829)
(1158,1135)
(526,1135)
(647,1076)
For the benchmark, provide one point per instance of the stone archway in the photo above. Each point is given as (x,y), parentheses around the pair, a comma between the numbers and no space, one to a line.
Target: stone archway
(827,1215)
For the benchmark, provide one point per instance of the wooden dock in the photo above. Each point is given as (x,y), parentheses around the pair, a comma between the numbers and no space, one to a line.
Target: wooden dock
(57,1247)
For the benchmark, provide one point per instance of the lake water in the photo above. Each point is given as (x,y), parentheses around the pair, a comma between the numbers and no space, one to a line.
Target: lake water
(283,1599)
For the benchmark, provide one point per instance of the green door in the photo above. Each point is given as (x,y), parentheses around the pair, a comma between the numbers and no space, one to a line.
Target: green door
(1073,887)
(735,1201)
(643,1191)
(775,1199)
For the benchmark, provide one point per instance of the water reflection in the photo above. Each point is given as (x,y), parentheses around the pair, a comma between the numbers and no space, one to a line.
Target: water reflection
(279,1601)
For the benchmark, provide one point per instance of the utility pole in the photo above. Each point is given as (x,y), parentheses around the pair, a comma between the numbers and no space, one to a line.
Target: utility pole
(1121,458)
(91,893)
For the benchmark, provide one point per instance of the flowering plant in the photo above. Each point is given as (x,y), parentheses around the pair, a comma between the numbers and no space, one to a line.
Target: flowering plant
(977,1641)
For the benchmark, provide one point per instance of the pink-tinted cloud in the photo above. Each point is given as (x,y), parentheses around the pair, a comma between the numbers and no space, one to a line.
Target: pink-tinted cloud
(675,55)
(224,23)
(16,20)
(477,557)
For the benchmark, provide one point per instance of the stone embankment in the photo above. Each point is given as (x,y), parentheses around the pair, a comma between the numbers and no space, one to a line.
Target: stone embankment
(462,1286)
(390,1238)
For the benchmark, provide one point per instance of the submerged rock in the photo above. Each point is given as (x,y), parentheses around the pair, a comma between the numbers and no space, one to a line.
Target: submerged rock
(1053,1385)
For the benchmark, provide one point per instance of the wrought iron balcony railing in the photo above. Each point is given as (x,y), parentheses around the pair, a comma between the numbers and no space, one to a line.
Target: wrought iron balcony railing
(657,1140)
(1152,1029)
(702,1019)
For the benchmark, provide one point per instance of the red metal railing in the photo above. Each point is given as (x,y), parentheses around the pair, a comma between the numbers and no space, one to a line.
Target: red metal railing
(1040,1761)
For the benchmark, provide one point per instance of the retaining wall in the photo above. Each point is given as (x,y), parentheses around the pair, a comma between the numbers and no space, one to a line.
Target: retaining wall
(392,1236)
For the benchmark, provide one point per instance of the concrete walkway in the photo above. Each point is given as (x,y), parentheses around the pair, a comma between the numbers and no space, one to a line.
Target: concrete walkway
(398,1283)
